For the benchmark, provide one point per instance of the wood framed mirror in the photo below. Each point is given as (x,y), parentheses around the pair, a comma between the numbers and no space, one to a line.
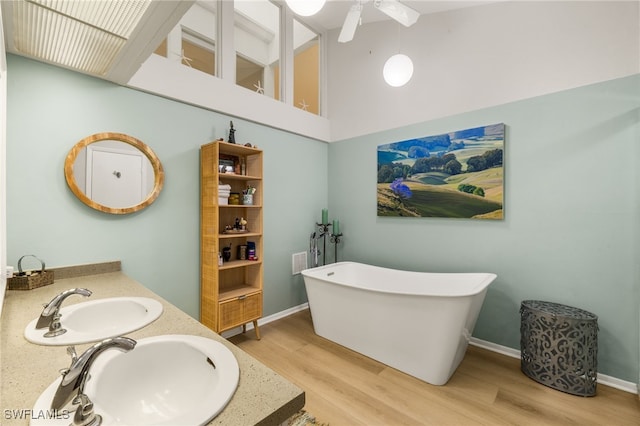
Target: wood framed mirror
(114,173)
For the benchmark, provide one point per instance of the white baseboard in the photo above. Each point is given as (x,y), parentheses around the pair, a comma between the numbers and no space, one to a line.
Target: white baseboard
(514,353)
(493,347)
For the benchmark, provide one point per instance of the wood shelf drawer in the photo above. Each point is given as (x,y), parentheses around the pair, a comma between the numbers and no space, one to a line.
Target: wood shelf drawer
(239,311)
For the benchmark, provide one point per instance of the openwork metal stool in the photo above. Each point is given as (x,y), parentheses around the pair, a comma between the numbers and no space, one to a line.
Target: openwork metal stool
(559,346)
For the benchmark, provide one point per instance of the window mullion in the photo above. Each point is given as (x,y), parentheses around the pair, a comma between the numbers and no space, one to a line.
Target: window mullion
(286,56)
(225,47)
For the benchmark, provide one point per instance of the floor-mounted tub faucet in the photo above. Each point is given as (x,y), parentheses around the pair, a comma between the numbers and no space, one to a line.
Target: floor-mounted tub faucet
(74,378)
(50,316)
(313,249)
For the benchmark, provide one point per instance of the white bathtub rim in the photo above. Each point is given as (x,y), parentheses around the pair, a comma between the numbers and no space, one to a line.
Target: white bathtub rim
(482,285)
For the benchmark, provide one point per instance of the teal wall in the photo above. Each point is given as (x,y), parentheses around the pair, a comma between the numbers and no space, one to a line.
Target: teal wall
(570,232)
(50,109)
(571,228)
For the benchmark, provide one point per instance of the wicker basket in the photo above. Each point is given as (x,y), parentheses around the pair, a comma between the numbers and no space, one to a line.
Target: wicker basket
(30,279)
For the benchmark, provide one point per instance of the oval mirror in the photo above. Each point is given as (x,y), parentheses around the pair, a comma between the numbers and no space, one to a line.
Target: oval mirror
(114,173)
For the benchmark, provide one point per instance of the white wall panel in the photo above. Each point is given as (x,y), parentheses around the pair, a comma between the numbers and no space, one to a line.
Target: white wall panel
(478,57)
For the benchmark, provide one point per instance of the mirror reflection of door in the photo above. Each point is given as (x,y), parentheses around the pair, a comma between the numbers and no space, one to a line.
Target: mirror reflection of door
(128,175)
(116,175)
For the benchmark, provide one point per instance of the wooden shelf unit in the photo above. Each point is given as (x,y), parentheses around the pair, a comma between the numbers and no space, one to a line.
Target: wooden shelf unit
(231,293)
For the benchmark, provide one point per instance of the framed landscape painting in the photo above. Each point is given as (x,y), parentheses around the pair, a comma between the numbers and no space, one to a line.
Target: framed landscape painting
(455,175)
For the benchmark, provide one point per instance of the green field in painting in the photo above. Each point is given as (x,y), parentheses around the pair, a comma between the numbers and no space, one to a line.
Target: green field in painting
(431,178)
(434,201)
(490,180)
(473,148)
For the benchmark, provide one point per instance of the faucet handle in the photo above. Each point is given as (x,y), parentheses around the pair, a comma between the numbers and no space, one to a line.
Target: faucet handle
(55,328)
(84,415)
(71,350)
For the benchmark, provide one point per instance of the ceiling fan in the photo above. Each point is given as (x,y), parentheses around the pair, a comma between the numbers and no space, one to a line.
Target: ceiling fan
(392,8)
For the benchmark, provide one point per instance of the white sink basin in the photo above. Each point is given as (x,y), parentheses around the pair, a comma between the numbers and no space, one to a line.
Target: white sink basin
(99,319)
(164,380)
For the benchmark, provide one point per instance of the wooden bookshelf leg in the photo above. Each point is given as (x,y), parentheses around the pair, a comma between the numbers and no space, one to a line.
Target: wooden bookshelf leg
(255,327)
(244,328)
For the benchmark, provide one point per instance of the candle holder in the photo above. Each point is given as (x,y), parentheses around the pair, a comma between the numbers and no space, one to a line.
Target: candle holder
(335,240)
(323,228)
(323,231)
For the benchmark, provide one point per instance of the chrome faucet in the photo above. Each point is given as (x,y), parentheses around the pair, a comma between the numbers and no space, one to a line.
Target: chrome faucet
(50,316)
(314,249)
(74,378)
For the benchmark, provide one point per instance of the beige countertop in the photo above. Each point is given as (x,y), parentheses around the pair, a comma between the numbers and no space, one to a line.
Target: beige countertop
(262,397)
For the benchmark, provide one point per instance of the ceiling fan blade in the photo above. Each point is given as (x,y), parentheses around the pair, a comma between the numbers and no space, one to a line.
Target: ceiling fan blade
(398,11)
(350,23)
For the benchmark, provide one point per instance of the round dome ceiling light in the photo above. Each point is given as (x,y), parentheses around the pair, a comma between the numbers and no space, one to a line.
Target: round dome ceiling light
(398,70)
(305,7)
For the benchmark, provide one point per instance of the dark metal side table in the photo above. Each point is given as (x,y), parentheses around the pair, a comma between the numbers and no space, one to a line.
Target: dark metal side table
(559,346)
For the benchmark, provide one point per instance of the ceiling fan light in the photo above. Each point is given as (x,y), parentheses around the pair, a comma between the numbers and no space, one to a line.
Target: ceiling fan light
(398,70)
(305,7)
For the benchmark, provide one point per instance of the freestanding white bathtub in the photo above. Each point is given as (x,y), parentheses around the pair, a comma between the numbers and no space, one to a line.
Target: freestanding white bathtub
(417,322)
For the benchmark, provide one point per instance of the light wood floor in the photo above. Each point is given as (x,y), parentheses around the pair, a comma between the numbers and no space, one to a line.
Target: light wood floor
(345,388)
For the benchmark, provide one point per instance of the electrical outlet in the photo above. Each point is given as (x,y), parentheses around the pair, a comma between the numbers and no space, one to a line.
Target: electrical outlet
(298,262)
